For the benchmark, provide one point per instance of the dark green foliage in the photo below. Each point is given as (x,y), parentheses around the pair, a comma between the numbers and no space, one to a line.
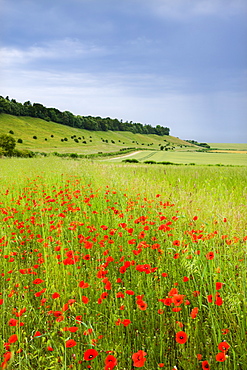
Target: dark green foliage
(20,141)
(84,122)
(35,137)
(130,160)
(11,132)
(7,143)
(73,155)
(204,145)
(23,153)
(150,162)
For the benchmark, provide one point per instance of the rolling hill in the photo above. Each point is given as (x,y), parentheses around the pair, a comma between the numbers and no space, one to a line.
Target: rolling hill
(41,136)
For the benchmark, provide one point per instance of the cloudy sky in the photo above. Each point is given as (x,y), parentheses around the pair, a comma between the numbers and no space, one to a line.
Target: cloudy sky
(176,63)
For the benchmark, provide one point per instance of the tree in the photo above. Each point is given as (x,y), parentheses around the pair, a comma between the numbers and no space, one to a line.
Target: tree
(7,143)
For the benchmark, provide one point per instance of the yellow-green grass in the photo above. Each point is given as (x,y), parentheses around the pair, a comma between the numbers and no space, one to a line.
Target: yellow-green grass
(200,158)
(26,127)
(174,216)
(229,146)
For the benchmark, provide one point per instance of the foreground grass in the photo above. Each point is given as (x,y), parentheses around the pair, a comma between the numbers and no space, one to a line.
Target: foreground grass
(119,258)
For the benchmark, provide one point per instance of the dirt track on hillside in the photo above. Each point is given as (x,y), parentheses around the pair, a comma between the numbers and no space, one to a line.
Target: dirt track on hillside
(125,156)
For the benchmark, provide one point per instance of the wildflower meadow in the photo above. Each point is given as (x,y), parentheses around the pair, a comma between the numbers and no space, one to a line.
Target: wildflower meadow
(122,266)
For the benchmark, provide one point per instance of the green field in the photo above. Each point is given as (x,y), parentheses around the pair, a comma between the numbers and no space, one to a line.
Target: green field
(50,137)
(188,157)
(120,266)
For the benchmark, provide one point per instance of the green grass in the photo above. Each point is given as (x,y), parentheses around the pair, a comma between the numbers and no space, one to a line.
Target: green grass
(55,212)
(26,127)
(187,157)
(228,146)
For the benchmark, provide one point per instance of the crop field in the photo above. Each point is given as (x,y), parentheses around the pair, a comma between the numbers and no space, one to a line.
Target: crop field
(188,157)
(122,266)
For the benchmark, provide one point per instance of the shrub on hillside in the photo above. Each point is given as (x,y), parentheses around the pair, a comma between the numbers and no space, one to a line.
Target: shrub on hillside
(150,162)
(7,144)
(23,153)
(133,160)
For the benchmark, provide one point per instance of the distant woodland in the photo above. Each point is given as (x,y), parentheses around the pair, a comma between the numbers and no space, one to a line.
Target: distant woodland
(83,122)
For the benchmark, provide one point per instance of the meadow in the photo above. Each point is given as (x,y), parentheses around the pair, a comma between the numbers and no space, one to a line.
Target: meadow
(189,157)
(122,266)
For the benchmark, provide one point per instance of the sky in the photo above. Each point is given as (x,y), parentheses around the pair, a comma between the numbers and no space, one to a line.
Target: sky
(181,64)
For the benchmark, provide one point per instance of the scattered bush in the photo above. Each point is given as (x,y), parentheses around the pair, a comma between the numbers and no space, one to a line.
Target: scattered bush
(11,132)
(34,137)
(73,155)
(20,141)
(7,143)
(130,160)
(23,153)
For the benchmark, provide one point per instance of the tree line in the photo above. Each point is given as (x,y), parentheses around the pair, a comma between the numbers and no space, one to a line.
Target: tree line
(69,119)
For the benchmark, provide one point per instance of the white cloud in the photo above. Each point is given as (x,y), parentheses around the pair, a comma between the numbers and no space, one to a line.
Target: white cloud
(56,49)
(217,117)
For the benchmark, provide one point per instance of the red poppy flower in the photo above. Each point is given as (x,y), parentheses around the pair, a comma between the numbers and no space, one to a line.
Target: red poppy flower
(12,339)
(210,298)
(70,343)
(126,322)
(37,334)
(181,337)
(177,299)
(223,346)
(38,281)
(221,357)
(85,299)
(139,358)
(49,348)
(90,354)
(142,306)
(55,295)
(194,312)
(219,285)
(110,362)
(205,365)
(218,301)
(210,255)
(225,331)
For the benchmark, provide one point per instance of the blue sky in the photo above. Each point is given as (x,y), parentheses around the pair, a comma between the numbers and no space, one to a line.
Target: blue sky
(176,63)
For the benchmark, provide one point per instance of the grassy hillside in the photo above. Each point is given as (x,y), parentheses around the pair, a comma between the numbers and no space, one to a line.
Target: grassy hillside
(50,137)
